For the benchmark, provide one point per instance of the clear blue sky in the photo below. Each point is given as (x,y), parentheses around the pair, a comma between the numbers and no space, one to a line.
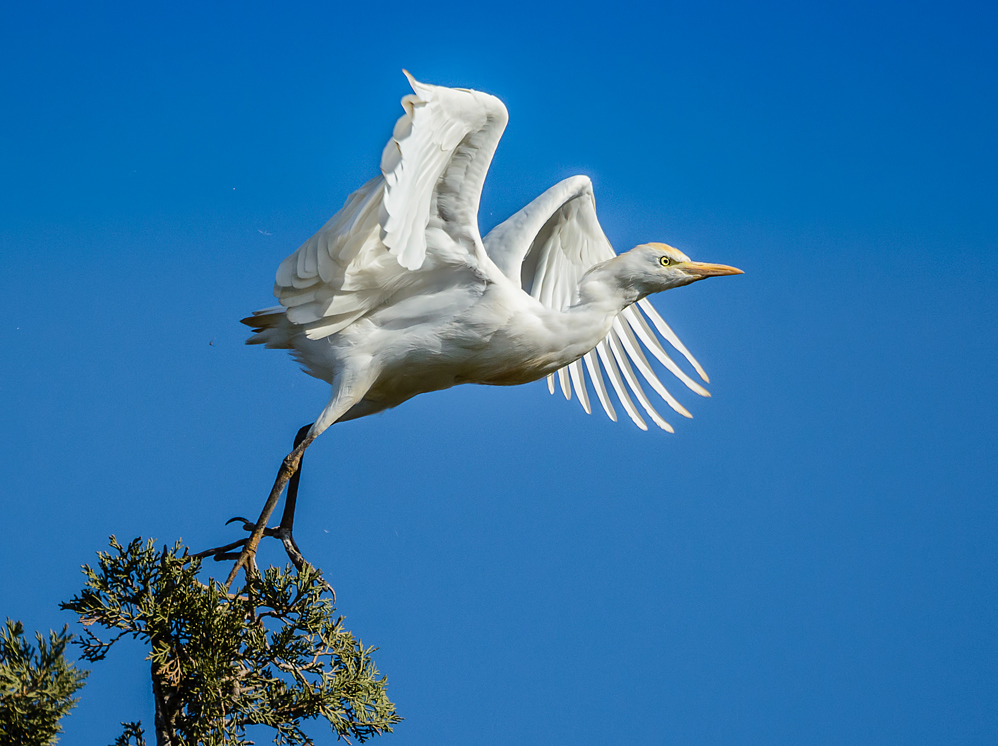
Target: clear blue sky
(811,559)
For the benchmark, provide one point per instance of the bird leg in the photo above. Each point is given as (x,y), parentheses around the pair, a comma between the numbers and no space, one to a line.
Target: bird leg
(291,465)
(349,388)
(285,529)
(290,474)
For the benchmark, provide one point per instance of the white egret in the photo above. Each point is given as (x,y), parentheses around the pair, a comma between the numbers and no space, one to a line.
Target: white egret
(398,294)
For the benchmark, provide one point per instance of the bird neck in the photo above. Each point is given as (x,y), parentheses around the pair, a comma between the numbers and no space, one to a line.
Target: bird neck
(556,338)
(603,294)
(608,288)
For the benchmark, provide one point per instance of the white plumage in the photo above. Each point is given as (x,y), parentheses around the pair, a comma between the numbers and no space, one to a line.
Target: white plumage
(398,294)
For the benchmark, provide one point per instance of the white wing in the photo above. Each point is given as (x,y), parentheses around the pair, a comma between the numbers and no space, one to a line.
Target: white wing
(547,247)
(434,167)
(421,212)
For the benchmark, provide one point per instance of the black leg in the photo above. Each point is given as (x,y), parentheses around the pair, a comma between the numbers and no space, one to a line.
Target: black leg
(288,519)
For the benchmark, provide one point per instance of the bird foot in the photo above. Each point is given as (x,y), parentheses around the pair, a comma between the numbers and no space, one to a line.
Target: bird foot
(235,549)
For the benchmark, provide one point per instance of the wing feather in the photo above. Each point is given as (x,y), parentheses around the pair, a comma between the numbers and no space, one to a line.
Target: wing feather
(670,335)
(566,386)
(592,365)
(630,345)
(634,383)
(547,247)
(579,383)
(423,205)
(647,336)
(618,384)
(440,151)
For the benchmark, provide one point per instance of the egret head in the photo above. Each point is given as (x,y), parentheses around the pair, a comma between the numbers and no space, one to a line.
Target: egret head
(654,267)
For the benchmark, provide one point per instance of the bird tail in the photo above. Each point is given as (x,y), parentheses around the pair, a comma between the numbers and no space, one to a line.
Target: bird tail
(270,327)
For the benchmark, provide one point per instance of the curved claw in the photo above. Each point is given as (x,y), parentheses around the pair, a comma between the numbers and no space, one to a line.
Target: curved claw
(225,553)
(251,527)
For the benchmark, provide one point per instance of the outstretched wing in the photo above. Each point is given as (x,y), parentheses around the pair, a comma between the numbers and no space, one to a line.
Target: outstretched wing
(547,247)
(420,213)
(434,167)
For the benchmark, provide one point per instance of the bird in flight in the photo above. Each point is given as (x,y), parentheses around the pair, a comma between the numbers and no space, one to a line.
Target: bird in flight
(399,294)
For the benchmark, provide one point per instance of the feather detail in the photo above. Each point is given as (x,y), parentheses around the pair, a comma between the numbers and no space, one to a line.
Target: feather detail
(670,335)
(441,128)
(618,385)
(566,387)
(579,382)
(644,332)
(592,365)
(630,345)
(633,382)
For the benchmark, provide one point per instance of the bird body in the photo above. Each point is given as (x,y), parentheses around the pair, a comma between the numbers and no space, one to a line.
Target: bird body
(469,329)
(398,294)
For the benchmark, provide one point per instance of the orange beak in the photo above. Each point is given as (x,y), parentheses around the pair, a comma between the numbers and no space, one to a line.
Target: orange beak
(700,270)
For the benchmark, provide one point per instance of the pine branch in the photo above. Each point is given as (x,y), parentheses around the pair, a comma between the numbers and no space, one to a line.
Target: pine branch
(37,685)
(273,654)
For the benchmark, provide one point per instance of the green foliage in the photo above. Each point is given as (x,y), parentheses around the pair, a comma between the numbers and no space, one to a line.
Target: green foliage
(36,686)
(273,654)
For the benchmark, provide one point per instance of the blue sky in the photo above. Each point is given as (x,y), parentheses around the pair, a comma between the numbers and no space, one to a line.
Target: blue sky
(811,559)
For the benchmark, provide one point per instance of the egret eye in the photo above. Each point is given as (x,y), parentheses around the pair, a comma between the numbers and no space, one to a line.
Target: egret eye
(665,261)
